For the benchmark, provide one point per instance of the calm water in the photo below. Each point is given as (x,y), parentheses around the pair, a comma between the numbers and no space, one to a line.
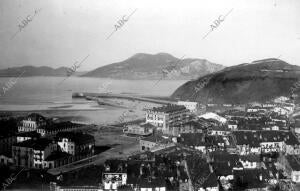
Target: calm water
(48,93)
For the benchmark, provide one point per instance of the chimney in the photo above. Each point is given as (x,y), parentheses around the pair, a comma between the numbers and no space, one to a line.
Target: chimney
(141,169)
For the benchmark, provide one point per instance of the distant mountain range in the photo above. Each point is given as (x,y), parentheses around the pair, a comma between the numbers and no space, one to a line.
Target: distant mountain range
(139,66)
(162,65)
(28,71)
(257,81)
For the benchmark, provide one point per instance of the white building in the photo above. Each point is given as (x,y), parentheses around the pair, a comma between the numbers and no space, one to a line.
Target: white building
(67,146)
(250,161)
(112,181)
(32,122)
(167,116)
(281,99)
(191,106)
(214,116)
(281,110)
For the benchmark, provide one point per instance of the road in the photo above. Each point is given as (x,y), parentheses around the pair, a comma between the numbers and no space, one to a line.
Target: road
(120,151)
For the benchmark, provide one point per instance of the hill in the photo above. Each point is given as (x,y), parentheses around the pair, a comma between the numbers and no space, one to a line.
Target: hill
(257,81)
(27,71)
(147,66)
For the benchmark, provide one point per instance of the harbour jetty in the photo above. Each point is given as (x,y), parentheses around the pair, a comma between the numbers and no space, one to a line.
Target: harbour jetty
(96,96)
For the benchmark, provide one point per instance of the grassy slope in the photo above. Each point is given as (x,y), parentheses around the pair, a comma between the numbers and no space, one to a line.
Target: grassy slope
(243,83)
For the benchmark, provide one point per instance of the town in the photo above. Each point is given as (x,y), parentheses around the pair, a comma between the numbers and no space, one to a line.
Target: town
(185,146)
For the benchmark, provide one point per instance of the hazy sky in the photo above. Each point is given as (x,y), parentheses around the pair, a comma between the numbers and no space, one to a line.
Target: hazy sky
(68,30)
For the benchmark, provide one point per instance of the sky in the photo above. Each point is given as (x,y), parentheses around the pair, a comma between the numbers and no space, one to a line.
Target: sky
(65,31)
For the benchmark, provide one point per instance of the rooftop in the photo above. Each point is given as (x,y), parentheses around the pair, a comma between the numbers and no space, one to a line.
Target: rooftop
(250,158)
(211,181)
(195,124)
(250,178)
(156,138)
(36,117)
(31,134)
(214,140)
(223,156)
(147,125)
(151,183)
(234,112)
(77,137)
(38,144)
(58,126)
(192,139)
(254,138)
(294,162)
(198,170)
(57,155)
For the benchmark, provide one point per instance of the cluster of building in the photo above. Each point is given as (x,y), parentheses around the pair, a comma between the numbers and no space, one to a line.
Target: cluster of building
(255,148)
(40,143)
(181,147)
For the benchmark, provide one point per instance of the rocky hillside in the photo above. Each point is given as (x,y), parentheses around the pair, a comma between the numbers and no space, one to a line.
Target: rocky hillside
(162,65)
(257,81)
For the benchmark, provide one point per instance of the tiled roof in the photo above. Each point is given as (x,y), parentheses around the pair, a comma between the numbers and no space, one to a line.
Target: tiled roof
(194,124)
(59,126)
(36,117)
(151,183)
(250,158)
(78,138)
(192,139)
(156,138)
(250,178)
(213,140)
(198,169)
(220,156)
(38,144)
(224,162)
(254,138)
(148,125)
(57,155)
(234,112)
(211,181)
(294,162)
(31,134)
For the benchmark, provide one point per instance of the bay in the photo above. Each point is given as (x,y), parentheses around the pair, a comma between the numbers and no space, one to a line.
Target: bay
(52,96)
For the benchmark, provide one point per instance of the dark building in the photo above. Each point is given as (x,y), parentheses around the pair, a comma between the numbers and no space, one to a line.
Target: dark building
(79,145)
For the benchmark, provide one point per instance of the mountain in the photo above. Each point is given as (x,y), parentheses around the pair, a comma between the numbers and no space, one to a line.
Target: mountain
(27,71)
(147,66)
(260,80)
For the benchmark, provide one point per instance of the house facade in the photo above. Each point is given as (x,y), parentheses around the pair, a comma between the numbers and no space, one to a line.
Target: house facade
(167,116)
(77,144)
(191,106)
(144,129)
(32,153)
(32,122)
